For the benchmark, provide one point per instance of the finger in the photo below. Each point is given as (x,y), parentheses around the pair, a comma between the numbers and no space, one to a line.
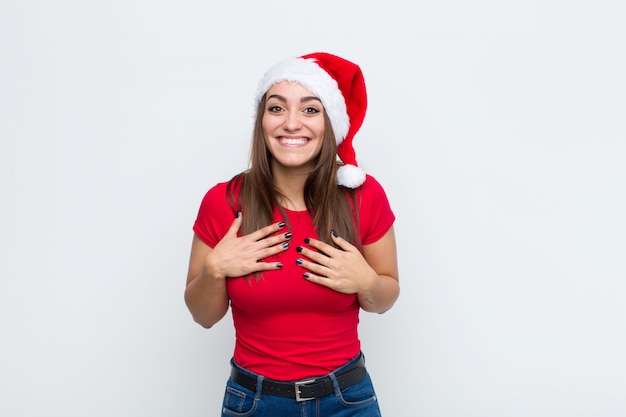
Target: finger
(277,239)
(315,256)
(272,250)
(320,280)
(322,247)
(342,243)
(235,226)
(315,268)
(266,231)
(269,266)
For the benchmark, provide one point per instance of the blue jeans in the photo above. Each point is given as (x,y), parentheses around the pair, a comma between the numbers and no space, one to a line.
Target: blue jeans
(356,400)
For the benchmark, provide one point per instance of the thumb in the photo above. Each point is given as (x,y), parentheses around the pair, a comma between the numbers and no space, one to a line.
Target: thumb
(235,226)
(342,243)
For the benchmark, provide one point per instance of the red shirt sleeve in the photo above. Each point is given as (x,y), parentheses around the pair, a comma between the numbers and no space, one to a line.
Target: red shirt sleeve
(215,216)
(375,214)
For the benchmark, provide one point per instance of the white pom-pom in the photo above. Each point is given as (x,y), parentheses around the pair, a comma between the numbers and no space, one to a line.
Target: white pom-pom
(350,176)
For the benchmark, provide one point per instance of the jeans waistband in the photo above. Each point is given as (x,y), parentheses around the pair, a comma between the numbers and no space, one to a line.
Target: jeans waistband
(347,375)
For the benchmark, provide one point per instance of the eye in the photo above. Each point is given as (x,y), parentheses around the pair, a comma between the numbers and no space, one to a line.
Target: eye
(311,110)
(274,108)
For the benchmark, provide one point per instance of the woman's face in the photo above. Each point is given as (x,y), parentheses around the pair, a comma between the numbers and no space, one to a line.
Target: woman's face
(293,125)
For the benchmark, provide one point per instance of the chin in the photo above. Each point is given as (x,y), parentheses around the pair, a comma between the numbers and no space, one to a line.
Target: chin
(291,164)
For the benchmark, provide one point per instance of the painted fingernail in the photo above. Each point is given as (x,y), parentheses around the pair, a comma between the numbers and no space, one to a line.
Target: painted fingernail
(334,233)
(285,245)
(281,224)
(288,235)
(238,214)
(305,275)
(299,249)
(299,261)
(279,265)
(307,240)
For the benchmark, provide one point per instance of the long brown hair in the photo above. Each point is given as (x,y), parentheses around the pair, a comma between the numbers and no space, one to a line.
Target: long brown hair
(331,206)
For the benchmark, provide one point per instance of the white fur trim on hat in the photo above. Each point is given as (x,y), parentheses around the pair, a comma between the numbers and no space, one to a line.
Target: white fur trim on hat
(311,76)
(350,176)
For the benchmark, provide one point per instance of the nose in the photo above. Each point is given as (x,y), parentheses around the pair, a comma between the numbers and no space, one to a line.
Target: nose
(292,121)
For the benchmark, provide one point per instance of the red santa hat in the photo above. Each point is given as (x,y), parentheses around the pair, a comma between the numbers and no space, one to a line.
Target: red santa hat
(340,86)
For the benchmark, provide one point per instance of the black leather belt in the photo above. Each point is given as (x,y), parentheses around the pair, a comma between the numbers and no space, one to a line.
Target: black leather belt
(306,389)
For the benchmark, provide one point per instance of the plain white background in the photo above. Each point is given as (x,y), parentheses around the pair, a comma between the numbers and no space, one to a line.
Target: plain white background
(497,128)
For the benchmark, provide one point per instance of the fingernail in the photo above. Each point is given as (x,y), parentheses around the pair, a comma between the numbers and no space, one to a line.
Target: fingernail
(334,233)
(305,275)
(307,240)
(299,249)
(279,265)
(285,245)
(238,214)
(281,224)
(299,261)
(288,235)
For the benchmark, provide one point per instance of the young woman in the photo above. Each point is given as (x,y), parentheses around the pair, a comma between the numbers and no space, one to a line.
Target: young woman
(296,246)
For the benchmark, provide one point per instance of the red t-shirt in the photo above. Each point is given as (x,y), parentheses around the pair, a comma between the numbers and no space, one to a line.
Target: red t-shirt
(288,328)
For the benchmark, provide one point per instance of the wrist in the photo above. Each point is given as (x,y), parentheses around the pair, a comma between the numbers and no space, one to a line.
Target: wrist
(211,270)
(369,286)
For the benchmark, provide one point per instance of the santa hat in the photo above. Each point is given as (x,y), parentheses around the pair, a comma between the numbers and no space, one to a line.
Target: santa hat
(340,86)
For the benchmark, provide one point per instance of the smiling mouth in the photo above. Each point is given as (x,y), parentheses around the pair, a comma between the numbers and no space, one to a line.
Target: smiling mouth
(293,141)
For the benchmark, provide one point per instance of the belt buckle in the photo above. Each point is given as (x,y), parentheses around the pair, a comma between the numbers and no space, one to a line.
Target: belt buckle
(297,386)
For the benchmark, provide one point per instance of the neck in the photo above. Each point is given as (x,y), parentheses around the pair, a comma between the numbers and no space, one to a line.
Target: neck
(291,185)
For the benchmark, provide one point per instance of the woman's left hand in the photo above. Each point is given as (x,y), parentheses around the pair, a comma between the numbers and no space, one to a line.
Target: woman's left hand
(344,270)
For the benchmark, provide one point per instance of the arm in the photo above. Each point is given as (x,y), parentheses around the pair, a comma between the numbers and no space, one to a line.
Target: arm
(385,288)
(373,275)
(205,293)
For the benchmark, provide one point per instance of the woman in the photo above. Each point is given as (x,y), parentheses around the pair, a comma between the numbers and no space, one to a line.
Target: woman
(297,245)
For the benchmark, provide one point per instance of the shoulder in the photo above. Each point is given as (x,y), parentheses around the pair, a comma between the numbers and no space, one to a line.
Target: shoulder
(226,191)
(216,213)
(216,195)
(220,200)
(371,186)
(375,213)
(218,188)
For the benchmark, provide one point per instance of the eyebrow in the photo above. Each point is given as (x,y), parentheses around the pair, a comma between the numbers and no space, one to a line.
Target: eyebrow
(302,100)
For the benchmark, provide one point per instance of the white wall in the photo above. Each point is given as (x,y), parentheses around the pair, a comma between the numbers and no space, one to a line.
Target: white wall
(497,127)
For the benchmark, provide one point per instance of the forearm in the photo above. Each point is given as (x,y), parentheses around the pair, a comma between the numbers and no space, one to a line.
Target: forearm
(381,296)
(207,299)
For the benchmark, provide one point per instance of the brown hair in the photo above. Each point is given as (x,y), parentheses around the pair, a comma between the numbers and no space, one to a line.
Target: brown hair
(331,206)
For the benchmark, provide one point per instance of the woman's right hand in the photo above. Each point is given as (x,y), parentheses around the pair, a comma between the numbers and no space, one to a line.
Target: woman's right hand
(233,256)
(236,256)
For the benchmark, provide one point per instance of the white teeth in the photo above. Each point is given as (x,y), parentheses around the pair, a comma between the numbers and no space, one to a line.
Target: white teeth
(293,141)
